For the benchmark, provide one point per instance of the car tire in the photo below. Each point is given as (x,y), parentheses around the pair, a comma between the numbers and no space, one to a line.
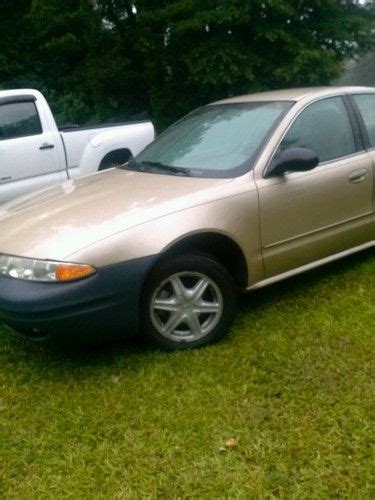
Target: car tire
(188,301)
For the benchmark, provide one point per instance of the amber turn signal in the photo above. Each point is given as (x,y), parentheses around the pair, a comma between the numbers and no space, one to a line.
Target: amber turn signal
(68,272)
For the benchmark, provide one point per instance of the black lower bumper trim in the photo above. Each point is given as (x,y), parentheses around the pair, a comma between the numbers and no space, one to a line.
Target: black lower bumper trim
(103,306)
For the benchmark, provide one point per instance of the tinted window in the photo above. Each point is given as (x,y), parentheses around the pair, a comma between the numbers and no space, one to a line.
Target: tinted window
(366,104)
(19,119)
(323,127)
(216,141)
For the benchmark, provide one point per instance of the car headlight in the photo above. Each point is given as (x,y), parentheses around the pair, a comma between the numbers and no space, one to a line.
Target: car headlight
(42,270)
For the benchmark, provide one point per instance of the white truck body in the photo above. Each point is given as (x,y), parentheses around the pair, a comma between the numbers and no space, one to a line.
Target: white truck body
(35,154)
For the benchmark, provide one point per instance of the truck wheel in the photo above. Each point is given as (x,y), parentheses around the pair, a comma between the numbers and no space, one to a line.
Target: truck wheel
(188,301)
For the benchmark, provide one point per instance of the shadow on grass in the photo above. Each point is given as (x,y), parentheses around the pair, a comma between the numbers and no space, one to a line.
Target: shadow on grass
(53,362)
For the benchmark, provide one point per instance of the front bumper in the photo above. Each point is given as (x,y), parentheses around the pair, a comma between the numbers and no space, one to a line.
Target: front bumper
(100,307)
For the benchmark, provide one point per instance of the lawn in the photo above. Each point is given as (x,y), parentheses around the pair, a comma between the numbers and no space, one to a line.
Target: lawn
(292,385)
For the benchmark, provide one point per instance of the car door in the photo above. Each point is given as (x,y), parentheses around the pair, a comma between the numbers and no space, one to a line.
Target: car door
(28,154)
(307,216)
(365,106)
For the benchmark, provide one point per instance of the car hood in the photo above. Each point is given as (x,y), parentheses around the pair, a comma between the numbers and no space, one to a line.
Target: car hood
(54,223)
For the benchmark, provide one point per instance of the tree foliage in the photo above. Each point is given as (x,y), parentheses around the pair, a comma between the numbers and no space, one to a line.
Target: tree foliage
(117,59)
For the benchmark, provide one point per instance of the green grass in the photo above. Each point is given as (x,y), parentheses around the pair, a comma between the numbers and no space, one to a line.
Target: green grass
(292,383)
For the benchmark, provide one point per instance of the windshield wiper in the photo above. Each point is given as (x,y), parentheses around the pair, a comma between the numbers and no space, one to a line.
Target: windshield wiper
(132,165)
(167,168)
(144,166)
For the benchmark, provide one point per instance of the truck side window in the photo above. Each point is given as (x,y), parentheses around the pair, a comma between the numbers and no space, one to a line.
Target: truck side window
(19,119)
(366,105)
(323,127)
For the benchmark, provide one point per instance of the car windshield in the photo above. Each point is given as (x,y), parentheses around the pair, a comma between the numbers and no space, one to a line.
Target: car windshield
(215,141)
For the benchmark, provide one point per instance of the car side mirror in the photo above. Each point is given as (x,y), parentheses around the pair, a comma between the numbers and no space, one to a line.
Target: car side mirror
(292,160)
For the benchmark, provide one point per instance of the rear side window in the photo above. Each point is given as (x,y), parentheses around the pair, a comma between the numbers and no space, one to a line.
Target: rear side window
(366,105)
(19,119)
(323,127)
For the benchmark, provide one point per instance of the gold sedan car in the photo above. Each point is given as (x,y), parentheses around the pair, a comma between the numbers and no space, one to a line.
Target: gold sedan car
(236,195)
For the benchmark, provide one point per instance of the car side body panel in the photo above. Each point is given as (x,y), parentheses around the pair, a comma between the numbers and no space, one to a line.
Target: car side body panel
(372,156)
(235,217)
(79,213)
(308,216)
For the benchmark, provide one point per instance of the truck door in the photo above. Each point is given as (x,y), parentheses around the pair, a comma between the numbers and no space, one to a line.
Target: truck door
(29,157)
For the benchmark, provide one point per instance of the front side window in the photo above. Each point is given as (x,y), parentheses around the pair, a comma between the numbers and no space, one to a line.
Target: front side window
(216,140)
(323,127)
(19,119)
(366,105)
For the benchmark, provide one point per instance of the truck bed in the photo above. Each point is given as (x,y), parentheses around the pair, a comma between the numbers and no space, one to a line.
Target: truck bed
(76,138)
(74,128)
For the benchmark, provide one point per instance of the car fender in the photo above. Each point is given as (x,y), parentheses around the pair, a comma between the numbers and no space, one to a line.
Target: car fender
(156,236)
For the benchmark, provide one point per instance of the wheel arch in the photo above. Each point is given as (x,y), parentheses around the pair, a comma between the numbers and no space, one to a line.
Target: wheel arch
(220,246)
(116,156)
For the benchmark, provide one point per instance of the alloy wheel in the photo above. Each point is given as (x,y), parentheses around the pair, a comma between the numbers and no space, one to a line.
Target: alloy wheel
(186,306)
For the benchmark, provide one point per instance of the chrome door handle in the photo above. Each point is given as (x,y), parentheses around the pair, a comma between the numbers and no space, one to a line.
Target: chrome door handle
(46,146)
(358,175)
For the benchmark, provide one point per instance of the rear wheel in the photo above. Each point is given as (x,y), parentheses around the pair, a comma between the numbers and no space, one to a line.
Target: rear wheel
(188,301)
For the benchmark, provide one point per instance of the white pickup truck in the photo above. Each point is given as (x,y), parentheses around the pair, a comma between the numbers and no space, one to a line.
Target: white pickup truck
(35,154)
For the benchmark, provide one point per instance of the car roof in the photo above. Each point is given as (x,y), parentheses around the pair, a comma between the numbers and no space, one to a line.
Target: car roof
(296,94)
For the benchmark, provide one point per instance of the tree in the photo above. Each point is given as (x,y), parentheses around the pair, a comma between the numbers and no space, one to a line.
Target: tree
(115,59)
(192,53)
(13,42)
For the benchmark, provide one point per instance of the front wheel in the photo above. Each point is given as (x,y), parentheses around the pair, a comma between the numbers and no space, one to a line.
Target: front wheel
(188,301)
